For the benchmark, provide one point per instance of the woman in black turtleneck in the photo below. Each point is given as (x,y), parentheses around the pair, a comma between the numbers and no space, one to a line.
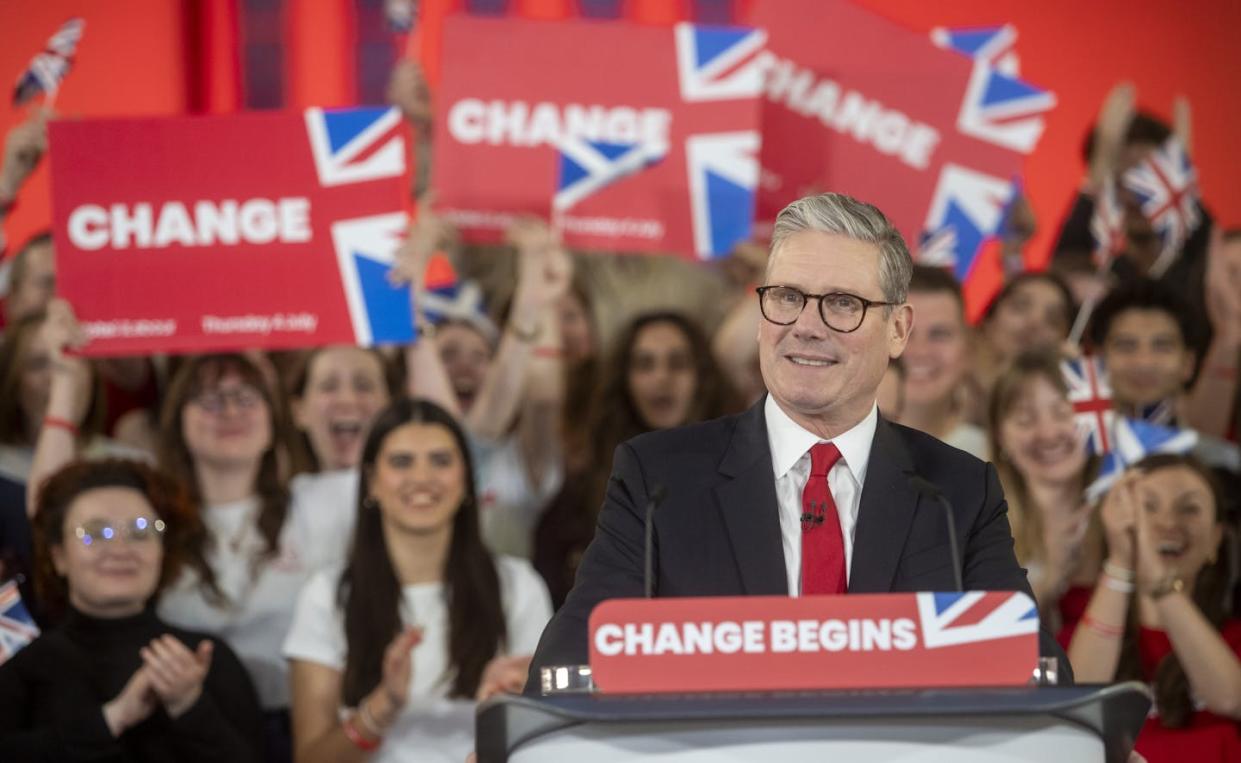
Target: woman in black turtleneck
(114,683)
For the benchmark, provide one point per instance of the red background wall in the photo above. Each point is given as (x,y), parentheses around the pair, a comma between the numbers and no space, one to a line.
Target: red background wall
(168,57)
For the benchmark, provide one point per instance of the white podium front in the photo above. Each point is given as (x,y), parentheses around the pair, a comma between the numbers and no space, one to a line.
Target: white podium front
(1096,724)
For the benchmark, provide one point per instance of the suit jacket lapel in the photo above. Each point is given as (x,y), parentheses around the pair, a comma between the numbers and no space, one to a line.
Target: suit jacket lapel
(749,508)
(885,513)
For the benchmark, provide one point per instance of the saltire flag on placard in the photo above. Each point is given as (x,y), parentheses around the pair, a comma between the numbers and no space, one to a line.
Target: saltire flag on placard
(967,617)
(648,142)
(17,627)
(1133,440)
(1091,396)
(49,67)
(1166,185)
(588,166)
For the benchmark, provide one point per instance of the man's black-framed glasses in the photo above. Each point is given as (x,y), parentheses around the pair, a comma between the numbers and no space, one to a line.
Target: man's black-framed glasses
(840,310)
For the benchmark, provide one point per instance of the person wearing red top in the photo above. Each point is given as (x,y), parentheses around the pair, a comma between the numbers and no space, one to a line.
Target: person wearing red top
(1168,555)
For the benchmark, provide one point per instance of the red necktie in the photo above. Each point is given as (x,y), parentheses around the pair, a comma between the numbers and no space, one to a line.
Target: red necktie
(822,543)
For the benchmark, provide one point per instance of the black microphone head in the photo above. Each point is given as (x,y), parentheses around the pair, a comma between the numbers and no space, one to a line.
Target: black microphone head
(923,485)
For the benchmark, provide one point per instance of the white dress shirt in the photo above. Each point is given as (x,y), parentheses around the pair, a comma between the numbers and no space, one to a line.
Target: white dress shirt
(790,461)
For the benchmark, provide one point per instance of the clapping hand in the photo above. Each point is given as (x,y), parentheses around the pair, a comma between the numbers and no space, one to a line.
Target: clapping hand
(504,675)
(177,674)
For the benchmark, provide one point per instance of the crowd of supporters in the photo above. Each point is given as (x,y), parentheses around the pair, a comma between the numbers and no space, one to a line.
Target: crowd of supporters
(331,553)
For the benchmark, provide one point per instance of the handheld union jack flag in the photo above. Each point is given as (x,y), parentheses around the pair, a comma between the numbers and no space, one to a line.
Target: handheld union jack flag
(1166,185)
(587,166)
(1132,441)
(17,628)
(1091,396)
(968,617)
(1107,225)
(48,68)
(938,248)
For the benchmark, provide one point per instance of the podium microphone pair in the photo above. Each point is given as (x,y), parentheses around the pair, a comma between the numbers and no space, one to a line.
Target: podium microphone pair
(919,483)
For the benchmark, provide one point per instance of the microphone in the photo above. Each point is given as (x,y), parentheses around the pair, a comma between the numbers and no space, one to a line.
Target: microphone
(930,490)
(815,516)
(648,573)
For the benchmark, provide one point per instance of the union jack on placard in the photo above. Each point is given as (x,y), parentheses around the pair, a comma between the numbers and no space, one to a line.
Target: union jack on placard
(1166,185)
(994,45)
(971,205)
(999,107)
(1091,396)
(17,627)
(723,176)
(49,67)
(356,145)
(586,166)
(968,617)
(719,63)
(365,252)
(1132,441)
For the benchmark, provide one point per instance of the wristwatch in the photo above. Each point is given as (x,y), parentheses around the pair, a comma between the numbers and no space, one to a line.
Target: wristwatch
(1170,584)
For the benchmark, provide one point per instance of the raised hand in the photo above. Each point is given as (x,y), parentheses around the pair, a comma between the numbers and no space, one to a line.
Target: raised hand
(1223,286)
(69,396)
(504,675)
(384,703)
(544,267)
(176,673)
(408,90)
(1150,567)
(23,148)
(134,704)
(1119,514)
(427,233)
(1117,112)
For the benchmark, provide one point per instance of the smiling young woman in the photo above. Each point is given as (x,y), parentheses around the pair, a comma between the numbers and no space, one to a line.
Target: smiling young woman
(1160,611)
(422,620)
(1044,467)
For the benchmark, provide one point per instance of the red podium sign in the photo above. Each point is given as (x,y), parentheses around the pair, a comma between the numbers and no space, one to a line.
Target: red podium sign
(774,643)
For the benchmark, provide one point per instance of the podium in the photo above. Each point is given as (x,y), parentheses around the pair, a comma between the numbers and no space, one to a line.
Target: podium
(1065,724)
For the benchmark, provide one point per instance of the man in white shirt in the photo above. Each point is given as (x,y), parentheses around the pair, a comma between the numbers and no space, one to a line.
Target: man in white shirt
(808,492)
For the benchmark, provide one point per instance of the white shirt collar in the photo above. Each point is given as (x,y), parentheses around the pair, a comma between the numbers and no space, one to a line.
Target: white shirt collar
(789,441)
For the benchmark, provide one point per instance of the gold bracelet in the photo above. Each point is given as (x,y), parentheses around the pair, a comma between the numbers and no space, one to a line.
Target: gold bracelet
(525,336)
(1170,584)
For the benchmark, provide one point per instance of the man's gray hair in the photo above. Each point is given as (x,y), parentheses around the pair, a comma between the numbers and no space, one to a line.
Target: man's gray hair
(846,216)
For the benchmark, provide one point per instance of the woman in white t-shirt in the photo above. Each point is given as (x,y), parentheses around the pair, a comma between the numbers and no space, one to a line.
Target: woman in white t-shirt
(389,654)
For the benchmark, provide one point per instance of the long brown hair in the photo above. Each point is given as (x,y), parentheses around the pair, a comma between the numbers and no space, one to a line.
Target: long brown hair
(183,527)
(1026,521)
(193,377)
(14,353)
(369,593)
(1212,595)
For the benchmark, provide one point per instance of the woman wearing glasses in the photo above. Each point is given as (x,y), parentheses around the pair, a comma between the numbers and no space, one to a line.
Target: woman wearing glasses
(113,681)
(222,435)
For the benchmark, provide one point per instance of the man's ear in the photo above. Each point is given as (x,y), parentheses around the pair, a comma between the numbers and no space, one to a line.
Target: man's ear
(902,325)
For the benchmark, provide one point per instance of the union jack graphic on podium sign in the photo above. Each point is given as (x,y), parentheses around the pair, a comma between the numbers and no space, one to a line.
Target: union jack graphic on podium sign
(1091,396)
(952,619)
(1166,185)
(17,627)
(356,145)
